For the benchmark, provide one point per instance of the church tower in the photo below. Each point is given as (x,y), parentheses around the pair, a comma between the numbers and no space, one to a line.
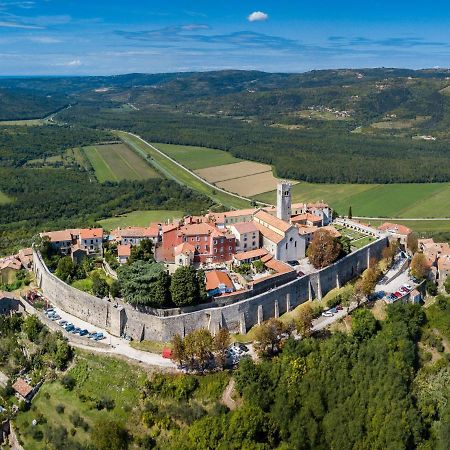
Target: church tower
(284,201)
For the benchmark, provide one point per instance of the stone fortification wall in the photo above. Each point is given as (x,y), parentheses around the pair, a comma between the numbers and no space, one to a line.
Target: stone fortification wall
(237,316)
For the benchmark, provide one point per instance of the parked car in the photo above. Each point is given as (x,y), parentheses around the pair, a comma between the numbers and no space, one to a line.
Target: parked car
(76,330)
(408,286)
(327,314)
(339,308)
(99,337)
(69,327)
(84,332)
(92,335)
(398,294)
(62,322)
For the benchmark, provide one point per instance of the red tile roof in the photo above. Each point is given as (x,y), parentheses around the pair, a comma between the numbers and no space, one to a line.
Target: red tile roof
(58,236)
(273,221)
(306,216)
(269,234)
(278,266)
(245,227)
(184,248)
(258,253)
(395,228)
(136,232)
(91,233)
(22,387)
(215,278)
(124,250)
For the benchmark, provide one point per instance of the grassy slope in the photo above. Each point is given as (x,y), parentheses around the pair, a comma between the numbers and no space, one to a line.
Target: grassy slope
(139,219)
(389,200)
(97,377)
(176,173)
(197,157)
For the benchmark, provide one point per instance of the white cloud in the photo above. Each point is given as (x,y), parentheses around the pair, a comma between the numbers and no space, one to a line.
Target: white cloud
(74,63)
(257,16)
(44,40)
(4,24)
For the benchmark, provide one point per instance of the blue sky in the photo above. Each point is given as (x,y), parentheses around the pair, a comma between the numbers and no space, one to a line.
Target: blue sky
(77,37)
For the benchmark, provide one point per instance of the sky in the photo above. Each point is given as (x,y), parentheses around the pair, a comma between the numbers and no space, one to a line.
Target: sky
(99,37)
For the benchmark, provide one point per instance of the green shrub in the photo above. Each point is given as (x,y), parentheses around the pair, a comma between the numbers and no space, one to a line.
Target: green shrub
(68,382)
(60,408)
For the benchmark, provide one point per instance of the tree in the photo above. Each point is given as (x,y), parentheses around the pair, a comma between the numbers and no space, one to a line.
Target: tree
(419,266)
(350,213)
(304,320)
(268,337)
(109,435)
(62,354)
(31,326)
(142,252)
(198,347)
(447,284)
(364,324)
(65,268)
(137,282)
(114,289)
(389,252)
(184,287)
(323,250)
(346,244)
(100,287)
(412,242)
(178,350)
(221,343)
(161,290)
(258,265)
(431,288)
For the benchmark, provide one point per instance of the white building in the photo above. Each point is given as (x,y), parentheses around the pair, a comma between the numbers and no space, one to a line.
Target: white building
(247,236)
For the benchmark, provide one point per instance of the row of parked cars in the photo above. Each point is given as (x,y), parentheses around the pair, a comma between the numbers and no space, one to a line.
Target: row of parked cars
(405,289)
(71,328)
(235,352)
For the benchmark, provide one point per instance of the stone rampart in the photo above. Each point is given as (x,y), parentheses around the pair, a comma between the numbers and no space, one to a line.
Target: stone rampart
(238,316)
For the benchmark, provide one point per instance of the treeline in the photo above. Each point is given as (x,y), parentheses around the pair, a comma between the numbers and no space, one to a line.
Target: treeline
(19,144)
(305,154)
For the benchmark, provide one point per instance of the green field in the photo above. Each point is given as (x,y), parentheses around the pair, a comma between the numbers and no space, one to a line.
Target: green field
(139,219)
(116,162)
(197,157)
(421,226)
(26,122)
(4,199)
(176,173)
(376,200)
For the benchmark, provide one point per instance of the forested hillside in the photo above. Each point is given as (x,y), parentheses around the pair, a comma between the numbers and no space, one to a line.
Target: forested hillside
(339,126)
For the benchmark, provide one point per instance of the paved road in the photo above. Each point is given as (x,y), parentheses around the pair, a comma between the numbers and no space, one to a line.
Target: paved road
(117,345)
(213,186)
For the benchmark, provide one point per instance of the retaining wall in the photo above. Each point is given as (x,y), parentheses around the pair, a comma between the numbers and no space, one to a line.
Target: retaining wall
(239,316)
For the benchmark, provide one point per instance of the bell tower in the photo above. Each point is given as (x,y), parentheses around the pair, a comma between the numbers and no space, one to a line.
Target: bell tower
(284,201)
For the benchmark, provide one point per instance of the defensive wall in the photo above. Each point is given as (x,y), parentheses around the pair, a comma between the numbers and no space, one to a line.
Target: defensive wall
(238,316)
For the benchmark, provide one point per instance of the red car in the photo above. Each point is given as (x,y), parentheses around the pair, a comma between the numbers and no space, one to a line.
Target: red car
(339,308)
(398,294)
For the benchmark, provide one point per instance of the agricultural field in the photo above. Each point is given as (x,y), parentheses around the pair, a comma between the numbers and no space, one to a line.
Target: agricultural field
(26,122)
(232,171)
(376,200)
(115,162)
(400,124)
(178,174)
(139,219)
(250,185)
(197,157)
(71,157)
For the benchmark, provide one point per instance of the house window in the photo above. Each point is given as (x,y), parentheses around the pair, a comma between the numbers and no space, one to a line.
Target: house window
(215,250)
(230,248)
(295,244)
(197,238)
(286,245)
(197,247)
(245,245)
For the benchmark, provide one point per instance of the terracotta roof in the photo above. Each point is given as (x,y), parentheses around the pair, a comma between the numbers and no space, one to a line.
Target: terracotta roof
(444,262)
(169,227)
(244,227)
(22,387)
(269,234)
(298,205)
(278,266)
(196,229)
(273,221)
(306,229)
(124,250)
(10,262)
(25,256)
(306,216)
(318,205)
(266,258)
(258,253)
(136,232)
(332,230)
(91,233)
(58,236)
(215,278)
(184,248)
(415,292)
(394,228)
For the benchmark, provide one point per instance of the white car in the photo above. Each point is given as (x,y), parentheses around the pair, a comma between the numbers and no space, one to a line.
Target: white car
(408,286)
(327,314)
